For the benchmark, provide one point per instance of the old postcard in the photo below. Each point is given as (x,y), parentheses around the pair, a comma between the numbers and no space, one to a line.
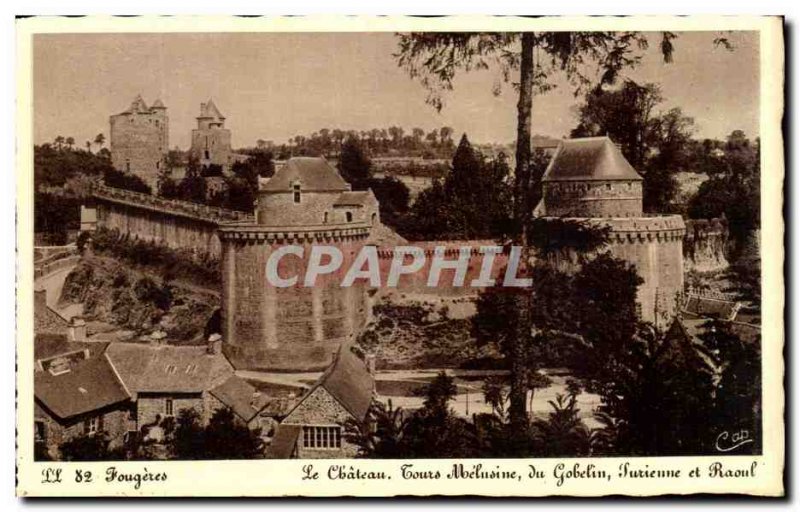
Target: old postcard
(357,256)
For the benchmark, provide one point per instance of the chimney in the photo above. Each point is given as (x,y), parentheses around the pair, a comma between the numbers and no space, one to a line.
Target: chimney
(369,360)
(214,344)
(157,338)
(40,300)
(77,329)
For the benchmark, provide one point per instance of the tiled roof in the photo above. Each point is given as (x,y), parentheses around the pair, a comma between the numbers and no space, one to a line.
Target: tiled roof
(284,442)
(711,307)
(240,397)
(358,198)
(314,174)
(168,368)
(593,158)
(349,381)
(88,386)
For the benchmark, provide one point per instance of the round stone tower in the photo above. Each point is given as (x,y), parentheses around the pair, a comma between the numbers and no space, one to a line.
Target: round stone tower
(590,180)
(305,203)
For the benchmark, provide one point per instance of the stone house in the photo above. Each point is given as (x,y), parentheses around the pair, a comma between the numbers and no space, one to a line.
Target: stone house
(82,397)
(314,428)
(163,379)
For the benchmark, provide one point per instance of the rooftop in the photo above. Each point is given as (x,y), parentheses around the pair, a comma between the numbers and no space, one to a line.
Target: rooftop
(349,381)
(314,175)
(586,159)
(209,110)
(243,399)
(88,385)
(168,368)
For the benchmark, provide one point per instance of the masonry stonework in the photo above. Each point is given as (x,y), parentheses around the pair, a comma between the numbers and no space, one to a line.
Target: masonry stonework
(589,180)
(321,409)
(140,139)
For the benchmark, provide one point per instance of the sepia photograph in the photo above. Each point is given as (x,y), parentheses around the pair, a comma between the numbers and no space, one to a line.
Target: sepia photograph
(336,246)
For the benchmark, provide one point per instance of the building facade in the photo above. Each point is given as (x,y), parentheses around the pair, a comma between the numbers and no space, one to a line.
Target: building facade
(589,180)
(314,428)
(140,139)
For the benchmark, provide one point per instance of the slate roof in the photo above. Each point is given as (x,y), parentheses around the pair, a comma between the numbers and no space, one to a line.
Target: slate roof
(587,159)
(711,308)
(314,174)
(348,380)
(358,198)
(241,397)
(284,442)
(209,110)
(167,368)
(88,386)
(46,346)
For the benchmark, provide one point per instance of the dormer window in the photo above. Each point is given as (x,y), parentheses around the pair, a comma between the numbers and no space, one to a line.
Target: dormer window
(296,193)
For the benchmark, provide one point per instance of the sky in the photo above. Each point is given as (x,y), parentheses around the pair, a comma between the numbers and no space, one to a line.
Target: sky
(276,86)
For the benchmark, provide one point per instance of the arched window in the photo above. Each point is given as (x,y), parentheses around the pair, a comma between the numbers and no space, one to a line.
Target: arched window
(325,218)
(348,216)
(374,218)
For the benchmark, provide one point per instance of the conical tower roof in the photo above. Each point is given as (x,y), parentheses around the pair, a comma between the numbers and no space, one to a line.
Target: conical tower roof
(589,159)
(209,110)
(158,104)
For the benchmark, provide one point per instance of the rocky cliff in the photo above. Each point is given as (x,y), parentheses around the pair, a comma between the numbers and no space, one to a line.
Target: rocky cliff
(113,293)
(705,245)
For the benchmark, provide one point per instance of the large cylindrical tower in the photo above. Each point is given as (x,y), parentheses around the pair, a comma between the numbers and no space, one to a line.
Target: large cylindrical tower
(589,180)
(297,328)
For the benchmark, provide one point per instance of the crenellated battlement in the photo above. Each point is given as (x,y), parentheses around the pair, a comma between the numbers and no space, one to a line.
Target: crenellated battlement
(173,207)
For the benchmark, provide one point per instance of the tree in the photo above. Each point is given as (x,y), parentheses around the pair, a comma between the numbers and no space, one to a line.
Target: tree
(125,181)
(733,189)
(188,438)
(70,141)
(228,438)
(435,58)
(471,203)
(87,447)
(100,139)
(393,197)
(655,143)
(193,186)
(381,436)
(563,434)
(354,166)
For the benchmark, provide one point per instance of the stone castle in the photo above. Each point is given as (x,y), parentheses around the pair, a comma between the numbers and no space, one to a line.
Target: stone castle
(140,139)
(211,141)
(307,202)
(590,180)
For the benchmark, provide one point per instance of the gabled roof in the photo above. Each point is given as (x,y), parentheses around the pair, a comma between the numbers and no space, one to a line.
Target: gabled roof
(137,105)
(241,397)
(358,198)
(313,174)
(209,110)
(88,386)
(592,158)
(349,381)
(284,441)
(168,368)
(709,307)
